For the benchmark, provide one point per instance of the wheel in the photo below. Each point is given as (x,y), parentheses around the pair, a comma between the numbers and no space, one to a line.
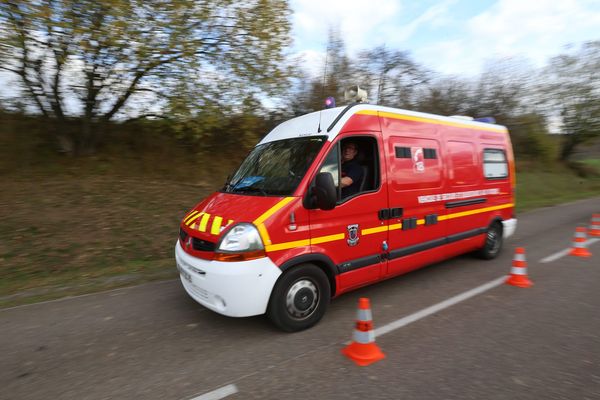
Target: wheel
(493,242)
(300,298)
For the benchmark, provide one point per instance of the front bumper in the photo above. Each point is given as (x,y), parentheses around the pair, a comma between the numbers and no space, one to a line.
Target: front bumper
(509,227)
(235,289)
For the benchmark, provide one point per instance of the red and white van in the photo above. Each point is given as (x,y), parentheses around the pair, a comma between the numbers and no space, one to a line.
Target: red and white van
(279,238)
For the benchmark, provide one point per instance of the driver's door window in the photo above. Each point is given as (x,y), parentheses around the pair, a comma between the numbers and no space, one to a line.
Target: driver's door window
(332,165)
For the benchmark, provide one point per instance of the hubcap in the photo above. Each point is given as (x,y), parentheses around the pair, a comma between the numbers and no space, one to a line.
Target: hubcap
(302,299)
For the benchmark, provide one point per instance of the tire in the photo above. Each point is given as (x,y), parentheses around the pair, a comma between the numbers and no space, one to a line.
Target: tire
(300,298)
(493,242)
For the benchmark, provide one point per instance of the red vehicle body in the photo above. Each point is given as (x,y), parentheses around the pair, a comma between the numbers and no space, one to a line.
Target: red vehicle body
(434,187)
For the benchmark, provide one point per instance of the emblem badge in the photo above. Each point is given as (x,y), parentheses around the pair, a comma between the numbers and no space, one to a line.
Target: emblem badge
(352,235)
(418,160)
(188,243)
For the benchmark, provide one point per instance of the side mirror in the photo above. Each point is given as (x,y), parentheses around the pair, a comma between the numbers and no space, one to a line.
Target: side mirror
(324,191)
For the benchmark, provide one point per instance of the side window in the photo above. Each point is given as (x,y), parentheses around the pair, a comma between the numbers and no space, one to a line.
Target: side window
(331,164)
(495,165)
(354,164)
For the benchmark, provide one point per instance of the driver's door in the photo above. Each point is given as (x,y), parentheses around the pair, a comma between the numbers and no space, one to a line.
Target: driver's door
(352,235)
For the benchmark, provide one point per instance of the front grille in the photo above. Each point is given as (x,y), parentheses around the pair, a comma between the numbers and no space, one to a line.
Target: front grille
(182,235)
(202,245)
(197,244)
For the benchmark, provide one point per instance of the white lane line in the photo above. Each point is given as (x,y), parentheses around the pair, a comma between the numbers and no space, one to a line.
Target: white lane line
(218,394)
(562,253)
(555,256)
(439,306)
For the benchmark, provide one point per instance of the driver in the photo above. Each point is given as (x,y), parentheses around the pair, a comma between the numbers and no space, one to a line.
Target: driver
(352,172)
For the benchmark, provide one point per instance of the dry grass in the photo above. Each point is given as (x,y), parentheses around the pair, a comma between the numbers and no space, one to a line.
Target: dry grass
(70,231)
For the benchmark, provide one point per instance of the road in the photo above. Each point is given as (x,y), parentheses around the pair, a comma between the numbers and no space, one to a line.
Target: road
(154,342)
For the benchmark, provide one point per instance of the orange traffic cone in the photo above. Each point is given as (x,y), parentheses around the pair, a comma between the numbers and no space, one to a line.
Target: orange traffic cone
(594,225)
(363,350)
(518,272)
(579,248)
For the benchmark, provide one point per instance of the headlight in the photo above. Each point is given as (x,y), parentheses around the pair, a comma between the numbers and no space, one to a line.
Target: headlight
(242,242)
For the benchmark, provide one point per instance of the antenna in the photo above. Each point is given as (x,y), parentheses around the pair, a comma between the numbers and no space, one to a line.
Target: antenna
(323,88)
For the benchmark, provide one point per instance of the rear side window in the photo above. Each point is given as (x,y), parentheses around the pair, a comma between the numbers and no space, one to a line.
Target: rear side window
(495,165)
(464,169)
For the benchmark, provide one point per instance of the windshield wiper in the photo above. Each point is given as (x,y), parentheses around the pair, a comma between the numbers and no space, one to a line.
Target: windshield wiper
(248,189)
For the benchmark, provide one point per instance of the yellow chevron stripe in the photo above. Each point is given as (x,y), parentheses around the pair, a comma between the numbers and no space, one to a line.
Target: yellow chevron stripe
(189,216)
(429,120)
(191,221)
(216,225)
(203,222)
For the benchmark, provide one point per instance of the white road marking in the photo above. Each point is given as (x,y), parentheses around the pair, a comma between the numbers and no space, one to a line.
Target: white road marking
(437,307)
(564,252)
(218,393)
(555,256)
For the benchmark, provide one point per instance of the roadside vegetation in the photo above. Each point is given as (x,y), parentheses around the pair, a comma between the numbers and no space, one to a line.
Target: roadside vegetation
(121,115)
(543,187)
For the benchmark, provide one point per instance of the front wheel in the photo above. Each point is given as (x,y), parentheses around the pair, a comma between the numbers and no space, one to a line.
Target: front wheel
(300,298)
(493,242)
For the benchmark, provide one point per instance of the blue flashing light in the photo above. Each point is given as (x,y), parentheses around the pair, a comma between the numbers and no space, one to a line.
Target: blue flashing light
(329,102)
(487,120)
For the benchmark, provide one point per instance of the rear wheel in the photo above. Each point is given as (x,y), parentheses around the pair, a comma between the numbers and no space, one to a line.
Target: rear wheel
(493,242)
(300,298)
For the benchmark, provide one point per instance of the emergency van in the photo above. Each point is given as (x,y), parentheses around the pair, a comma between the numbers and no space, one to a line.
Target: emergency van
(279,238)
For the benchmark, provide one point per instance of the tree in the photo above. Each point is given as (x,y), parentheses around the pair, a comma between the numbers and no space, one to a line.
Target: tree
(501,91)
(445,96)
(531,140)
(390,76)
(337,75)
(121,59)
(573,94)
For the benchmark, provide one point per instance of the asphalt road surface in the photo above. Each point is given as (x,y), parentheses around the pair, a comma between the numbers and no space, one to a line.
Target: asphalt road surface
(154,342)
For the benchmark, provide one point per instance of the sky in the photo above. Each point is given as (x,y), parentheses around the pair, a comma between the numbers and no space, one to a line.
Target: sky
(452,37)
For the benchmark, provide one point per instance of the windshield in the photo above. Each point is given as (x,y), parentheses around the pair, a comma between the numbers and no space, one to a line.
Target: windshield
(275,168)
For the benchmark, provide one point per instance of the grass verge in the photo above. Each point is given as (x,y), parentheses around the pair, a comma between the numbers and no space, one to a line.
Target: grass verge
(69,234)
(536,188)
